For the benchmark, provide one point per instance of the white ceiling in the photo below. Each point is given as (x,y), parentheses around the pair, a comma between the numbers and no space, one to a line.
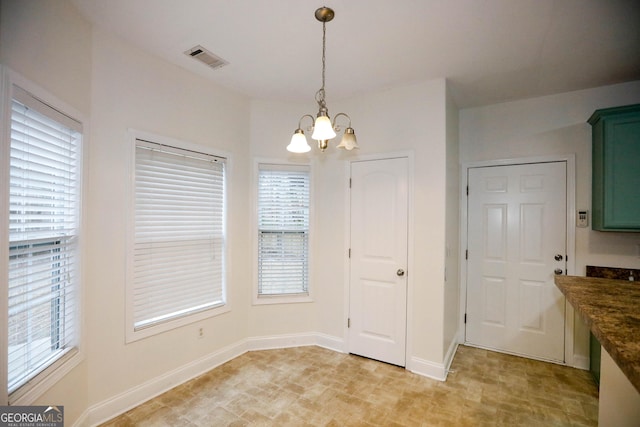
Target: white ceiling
(490,50)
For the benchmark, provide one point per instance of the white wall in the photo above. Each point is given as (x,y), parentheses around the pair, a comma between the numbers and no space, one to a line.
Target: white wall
(271,126)
(407,118)
(452,223)
(553,125)
(619,400)
(132,89)
(49,43)
(120,87)
(413,117)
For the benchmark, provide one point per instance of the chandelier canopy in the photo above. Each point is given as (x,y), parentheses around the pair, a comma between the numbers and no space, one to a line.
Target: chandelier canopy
(322,127)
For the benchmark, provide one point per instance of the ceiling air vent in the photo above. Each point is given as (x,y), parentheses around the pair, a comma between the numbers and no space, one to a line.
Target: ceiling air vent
(208,58)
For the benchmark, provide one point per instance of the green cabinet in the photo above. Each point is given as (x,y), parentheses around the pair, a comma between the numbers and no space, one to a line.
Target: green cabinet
(616,169)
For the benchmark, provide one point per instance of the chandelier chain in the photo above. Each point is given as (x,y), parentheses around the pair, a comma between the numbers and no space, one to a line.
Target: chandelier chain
(321,94)
(324,48)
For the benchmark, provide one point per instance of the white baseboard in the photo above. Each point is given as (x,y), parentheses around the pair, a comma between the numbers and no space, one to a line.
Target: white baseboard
(280,341)
(135,396)
(331,343)
(580,362)
(426,368)
(296,340)
(83,420)
(436,371)
(448,358)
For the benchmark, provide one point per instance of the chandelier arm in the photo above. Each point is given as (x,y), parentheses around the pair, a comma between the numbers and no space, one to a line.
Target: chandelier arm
(335,125)
(300,121)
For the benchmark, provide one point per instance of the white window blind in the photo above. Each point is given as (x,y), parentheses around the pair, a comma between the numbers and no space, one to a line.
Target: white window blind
(178,254)
(43,237)
(283,229)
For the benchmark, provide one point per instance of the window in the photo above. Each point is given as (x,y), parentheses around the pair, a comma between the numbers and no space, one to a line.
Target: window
(178,251)
(44,204)
(283,230)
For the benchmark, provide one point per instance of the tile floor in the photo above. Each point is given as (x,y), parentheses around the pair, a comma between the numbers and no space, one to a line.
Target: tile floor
(312,386)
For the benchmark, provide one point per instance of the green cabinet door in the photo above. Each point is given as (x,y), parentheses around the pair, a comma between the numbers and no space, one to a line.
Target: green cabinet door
(616,169)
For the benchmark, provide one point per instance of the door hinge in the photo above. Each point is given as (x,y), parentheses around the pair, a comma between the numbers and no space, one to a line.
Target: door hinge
(348,322)
(349,253)
(465,318)
(467,190)
(349,182)
(466,254)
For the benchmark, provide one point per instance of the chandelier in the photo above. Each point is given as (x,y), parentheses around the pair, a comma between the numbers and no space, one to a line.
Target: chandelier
(322,127)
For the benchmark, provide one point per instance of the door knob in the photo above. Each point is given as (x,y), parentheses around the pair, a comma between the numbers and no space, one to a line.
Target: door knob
(558,271)
(400,272)
(558,257)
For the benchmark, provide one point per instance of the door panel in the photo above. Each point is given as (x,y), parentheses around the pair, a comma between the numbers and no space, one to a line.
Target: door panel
(495,312)
(517,224)
(378,295)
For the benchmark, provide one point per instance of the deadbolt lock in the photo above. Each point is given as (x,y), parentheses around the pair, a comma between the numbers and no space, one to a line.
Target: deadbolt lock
(558,257)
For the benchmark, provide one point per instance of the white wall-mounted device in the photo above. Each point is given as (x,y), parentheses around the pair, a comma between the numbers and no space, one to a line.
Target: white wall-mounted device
(582,219)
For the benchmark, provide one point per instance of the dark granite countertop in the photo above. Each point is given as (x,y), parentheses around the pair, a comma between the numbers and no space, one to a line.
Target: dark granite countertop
(611,308)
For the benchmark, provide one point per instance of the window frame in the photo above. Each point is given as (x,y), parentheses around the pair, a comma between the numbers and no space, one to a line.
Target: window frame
(131,334)
(29,392)
(297,298)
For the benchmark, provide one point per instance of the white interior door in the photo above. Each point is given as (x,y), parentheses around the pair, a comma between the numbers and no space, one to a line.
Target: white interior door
(378,277)
(516,239)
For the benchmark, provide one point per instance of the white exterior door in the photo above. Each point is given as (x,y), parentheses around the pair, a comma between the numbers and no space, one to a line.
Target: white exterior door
(378,276)
(516,239)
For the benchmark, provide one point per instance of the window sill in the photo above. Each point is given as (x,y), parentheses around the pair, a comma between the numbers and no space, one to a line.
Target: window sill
(135,335)
(282,299)
(28,393)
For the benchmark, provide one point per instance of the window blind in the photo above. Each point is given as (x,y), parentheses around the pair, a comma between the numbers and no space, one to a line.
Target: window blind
(283,229)
(178,257)
(43,230)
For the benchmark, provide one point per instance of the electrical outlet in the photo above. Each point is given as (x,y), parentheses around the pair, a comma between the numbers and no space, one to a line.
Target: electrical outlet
(200,333)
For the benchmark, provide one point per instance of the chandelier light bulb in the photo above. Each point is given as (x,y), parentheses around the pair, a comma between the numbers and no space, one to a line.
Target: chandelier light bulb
(298,142)
(323,129)
(349,141)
